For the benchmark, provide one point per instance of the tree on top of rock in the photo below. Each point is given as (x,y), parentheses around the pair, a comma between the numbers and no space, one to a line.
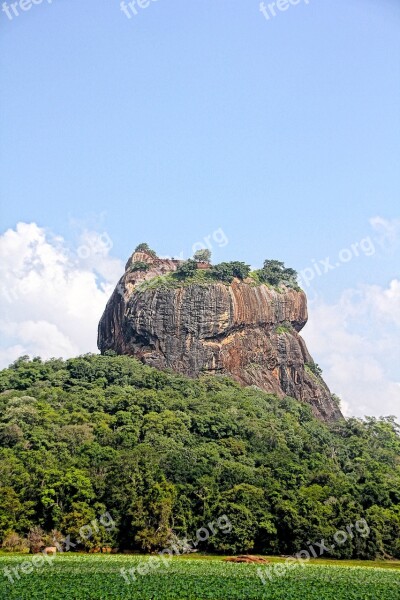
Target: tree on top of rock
(143,247)
(186,269)
(202,255)
(227,271)
(274,272)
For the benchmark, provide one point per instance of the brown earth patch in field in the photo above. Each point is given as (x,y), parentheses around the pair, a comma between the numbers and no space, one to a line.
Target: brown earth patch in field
(247,558)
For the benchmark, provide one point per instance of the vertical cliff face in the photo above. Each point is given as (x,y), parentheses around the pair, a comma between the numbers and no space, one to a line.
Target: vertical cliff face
(247,331)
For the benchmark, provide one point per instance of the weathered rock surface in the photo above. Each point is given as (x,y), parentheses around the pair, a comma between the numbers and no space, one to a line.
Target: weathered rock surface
(247,331)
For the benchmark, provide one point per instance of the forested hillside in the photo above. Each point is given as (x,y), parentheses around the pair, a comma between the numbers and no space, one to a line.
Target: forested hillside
(163,453)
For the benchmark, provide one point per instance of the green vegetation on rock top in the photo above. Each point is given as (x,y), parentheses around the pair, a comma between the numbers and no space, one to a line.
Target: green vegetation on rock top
(273,273)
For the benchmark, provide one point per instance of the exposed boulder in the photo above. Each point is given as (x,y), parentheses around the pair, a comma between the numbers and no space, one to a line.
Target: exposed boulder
(246,330)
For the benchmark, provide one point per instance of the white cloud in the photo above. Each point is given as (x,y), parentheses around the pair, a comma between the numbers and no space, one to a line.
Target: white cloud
(356,341)
(387,232)
(40,335)
(51,299)
(386,303)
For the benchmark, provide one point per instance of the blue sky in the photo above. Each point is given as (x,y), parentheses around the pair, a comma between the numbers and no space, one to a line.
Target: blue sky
(192,117)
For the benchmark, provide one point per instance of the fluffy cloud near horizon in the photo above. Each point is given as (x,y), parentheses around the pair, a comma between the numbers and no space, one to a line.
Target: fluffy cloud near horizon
(52,298)
(356,341)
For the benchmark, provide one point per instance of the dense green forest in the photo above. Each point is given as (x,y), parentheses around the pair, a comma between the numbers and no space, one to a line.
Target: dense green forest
(164,454)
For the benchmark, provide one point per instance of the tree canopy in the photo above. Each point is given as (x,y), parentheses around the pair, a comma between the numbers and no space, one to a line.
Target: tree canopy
(186,269)
(144,247)
(165,455)
(275,273)
(227,271)
(203,255)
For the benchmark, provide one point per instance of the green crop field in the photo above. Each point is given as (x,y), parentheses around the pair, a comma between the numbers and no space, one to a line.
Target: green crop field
(83,577)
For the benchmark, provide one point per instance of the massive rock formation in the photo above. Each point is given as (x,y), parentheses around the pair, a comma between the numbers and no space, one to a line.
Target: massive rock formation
(244,330)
